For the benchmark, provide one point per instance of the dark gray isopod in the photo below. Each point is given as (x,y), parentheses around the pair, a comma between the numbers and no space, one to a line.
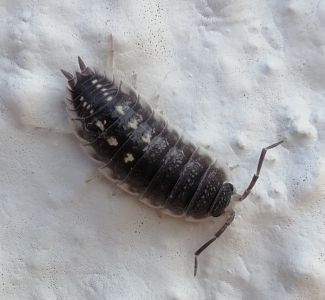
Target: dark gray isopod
(145,155)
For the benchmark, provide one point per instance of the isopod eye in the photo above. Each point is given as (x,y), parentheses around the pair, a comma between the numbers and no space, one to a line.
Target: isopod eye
(230,187)
(222,200)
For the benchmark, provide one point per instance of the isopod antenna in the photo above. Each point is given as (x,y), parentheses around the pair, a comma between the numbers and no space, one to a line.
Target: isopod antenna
(258,170)
(230,214)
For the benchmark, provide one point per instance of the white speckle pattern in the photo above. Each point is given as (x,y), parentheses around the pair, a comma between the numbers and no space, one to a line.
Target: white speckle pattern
(112,141)
(99,85)
(119,109)
(94,81)
(128,158)
(88,106)
(100,125)
(105,94)
(133,123)
(84,104)
(109,98)
(91,111)
(147,137)
(104,89)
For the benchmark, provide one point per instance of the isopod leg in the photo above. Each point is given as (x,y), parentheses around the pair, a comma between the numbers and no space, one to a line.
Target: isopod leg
(230,218)
(154,100)
(94,176)
(110,58)
(259,166)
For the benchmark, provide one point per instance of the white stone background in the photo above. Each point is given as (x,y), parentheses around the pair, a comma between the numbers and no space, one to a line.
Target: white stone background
(236,76)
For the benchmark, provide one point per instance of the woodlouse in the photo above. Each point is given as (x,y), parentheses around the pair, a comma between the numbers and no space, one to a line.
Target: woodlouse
(145,155)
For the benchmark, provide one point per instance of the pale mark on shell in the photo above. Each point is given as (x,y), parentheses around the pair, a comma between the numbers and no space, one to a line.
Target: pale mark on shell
(100,125)
(128,158)
(133,124)
(112,141)
(99,85)
(147,137)
(94,81)
(120,109)
(84,104)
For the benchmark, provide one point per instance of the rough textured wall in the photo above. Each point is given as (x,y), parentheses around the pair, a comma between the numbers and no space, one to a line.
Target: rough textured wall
(236,76)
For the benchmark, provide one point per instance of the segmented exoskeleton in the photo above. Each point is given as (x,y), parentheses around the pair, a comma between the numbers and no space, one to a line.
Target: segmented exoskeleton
(146,156)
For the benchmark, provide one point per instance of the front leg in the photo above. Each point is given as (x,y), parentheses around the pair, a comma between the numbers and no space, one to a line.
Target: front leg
(110,56)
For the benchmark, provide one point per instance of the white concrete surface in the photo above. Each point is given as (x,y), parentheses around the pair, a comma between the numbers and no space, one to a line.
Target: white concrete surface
(237,76)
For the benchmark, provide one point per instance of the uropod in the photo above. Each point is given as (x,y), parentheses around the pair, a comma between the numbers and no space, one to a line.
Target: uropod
(145,155)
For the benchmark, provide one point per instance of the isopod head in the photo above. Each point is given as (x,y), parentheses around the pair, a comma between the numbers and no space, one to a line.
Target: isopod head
(223,199)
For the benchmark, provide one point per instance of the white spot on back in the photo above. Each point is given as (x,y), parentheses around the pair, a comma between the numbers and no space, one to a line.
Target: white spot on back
(81,98)
(128,158)
(112,141)
(88,106)
(91,111)
(104,89)
(105,94)
(109,98)
(104,122)
(100,125)
(94,81)
(133,123)
(147,137)
(84,104)
(99,85)
(119,109)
